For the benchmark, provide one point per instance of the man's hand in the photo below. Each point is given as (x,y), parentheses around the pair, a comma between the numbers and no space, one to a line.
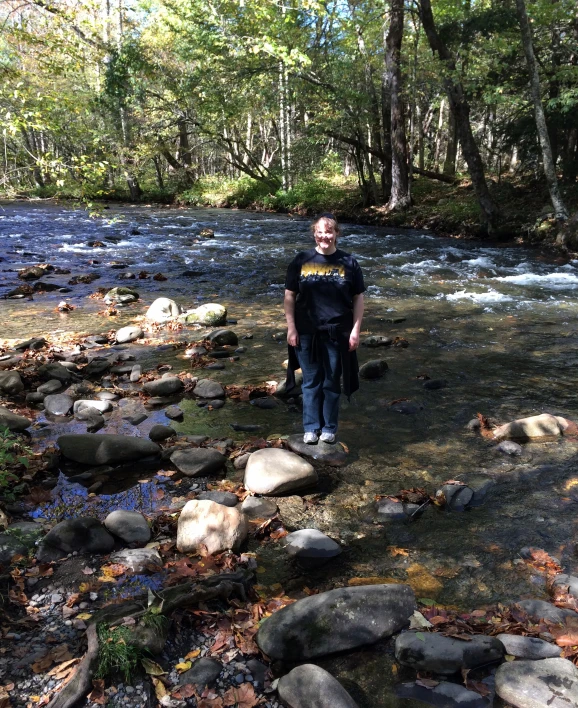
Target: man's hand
(292,337)
(353,341)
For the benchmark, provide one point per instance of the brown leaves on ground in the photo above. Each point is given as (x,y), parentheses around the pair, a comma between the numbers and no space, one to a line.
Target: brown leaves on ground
(542,561)
(242,696)
(97,694)
(56,654)
(566,635)
(248,392)
(4,697)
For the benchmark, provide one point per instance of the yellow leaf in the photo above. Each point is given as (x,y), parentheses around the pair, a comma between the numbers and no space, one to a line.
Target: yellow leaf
(160,690)
(84,616)
(185,666)
(509,657)
(193,654)
(152,668)
(84,587)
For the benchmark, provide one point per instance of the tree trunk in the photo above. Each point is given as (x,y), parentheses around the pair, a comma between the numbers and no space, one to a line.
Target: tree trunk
(158,172)
(452,147)
(438,143)
(399,197)
(461,109)
(36,171)
(547,159)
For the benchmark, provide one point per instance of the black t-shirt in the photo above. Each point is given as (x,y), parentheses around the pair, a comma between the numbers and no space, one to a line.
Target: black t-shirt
(325,287)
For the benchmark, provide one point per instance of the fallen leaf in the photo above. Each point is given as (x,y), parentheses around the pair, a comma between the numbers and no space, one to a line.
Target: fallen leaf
(63,670)
(397,551)
(42,664)
(193,654)
(160,690)
(61,653)
(97,694)
(242,697)
(151,667)
(84,616)
(184,666)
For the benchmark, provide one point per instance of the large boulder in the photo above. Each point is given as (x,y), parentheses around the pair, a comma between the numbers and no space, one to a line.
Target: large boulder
(15,423)
(310,686)
(128,334)
(198,461)
(105,449)
(129,526)
(528,647)
(273,471)
(335,621)
(164,387)
(206,523)
(534,427)
(551,683)
(205,388)
(10,383)
(223,337)
(430,651)
(162,310)
(122,295)
(538,610)
(211,314)
(83,535)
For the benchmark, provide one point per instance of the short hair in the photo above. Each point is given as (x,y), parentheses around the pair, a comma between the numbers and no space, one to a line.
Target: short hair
(332,221)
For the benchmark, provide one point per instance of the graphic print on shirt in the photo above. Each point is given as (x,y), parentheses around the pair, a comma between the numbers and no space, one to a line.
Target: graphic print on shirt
(322,271)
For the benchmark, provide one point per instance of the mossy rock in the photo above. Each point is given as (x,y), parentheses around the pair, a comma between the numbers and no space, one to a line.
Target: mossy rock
(210,315)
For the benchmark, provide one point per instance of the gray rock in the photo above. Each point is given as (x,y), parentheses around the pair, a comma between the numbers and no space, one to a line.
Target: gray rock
(457,496)
(210,314)
(129,526)
(97,367)
(204,672)
(52,386)
(548,683)
(377,341)
(34,398)
(257,508)
(273,471)
(444,695)
(390,510)
(92,418)
(224,498)
(310,686)
(266,403)
(333,455)
(532,428)
(164,387)
(406,407)
(133,411)
(196,439)
(216,527)
(223,338)
(14,422)
(194,352)
(158,433)
(431,651)
(10,546)
(373,369)
(162,310)
(122,295)
(83,534)
(258,670)
(435,384)
(57,371)
(10,383)
(239,463)
(58,404)
(539,609)
(128,334)
(135,373)
(107,396)
(334,621)
(174,412)
(474,424)
(205,388)
(528,647)
(569,583)
(99,406)
(311,547)
(198,461)
(509,447)
(105,449)
(138,560)
(35,344)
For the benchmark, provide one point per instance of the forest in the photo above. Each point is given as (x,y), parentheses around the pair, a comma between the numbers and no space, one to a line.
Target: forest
(460,110)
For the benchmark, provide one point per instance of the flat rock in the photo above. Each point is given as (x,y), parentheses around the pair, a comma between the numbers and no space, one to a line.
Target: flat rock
(333,455)
(257,508)
(129,526)
(376,340)
(532,428)
(105,449)
(373,369)
(311,547)
(198,461)
(224,498)
(128,334)
(58,404)
(139,560)
(547,683)
(444,695)
(159,432)
(174,412)
(83,534)
(98,405)
(93,420)
(431,651)
(203,672)
(10,383)
(310,686)
(206,523)
(223,338)
(540,609)
(528,647)
(390,510)
(457,496)
(205,388)
(337,620)
(133,411)
(163,387)
(274,471)
(162,310)
(14,422)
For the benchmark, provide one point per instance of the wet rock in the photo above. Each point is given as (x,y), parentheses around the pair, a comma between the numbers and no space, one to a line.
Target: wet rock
(206,233)
(158,433)
(92,419)
(34,398)
(105,449)
(537,684)
(97,367)
(128,334)
(194,352)
(58,404)
(205,388)
(444,695)
(210,314)
(224,498)
(216,403)
(14,422)
(135,373)
(390,510)
(57,371)
(310,686)
(122,295)
(223,337)
(273,471)
(52,386)
(266,403)
(35,344)
(257,508)
(206,523)
(133,411)
(540,610)
(174,412)
(139,560)
(435,384)
(377,341)
(10,383)
(221,354)
(98,405)
(31,273)
(509,447)
(333,455)
(162,310)
(129,526)
(406,407)
(86,279)
(10,546)
(198,461)
(196,439)
(164,387)
(457,496)
(106,396)
(337,620)
(203,672)
(430,651)
(532,428)
(8,361)
(528,647)
(373,369)
(311,547)
(83,534)
(481,486)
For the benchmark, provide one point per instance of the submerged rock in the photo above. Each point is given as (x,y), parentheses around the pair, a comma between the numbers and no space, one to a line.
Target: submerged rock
(509,447)
(174,412)
(206,523)
(310,686)
(138,560)
(105,449)
(391,510)
(274,471)
(121,295)
(537,684)
(373,369)
(444,695)
(223,337)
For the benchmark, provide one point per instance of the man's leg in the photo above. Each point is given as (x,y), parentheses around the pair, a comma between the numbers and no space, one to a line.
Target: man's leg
(311,386)
(331,385)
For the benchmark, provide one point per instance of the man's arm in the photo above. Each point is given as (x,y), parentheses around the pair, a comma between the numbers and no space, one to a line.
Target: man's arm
(289,306)
(357,318)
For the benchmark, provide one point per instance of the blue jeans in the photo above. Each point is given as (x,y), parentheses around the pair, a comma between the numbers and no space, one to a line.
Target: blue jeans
(321,383)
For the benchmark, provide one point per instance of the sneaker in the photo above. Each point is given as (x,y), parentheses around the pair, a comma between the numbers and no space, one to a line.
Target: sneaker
(310,438)
(327,438)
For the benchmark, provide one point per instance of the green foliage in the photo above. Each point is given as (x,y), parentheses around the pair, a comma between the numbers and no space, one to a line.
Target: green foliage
(115,652)
(14,455)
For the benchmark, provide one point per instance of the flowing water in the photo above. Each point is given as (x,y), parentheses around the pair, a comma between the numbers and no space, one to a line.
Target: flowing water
(498,324)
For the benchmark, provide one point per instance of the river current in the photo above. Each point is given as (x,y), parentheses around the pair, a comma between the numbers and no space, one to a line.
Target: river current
(498,324)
